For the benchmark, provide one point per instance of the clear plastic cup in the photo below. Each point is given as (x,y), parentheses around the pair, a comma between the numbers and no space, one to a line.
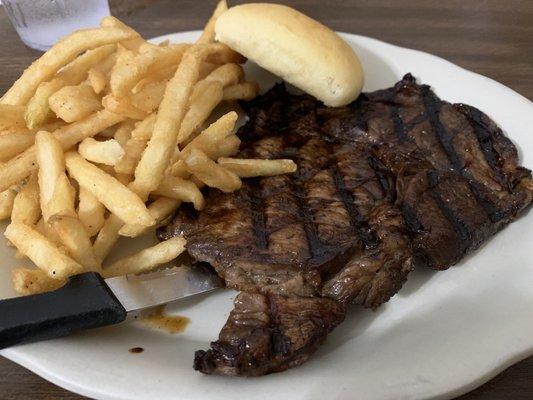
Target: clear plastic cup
(41,23)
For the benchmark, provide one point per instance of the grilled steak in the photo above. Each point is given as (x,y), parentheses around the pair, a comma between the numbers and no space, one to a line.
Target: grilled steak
(396,179)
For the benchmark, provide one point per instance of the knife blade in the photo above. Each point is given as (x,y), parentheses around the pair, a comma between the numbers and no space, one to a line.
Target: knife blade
(88,301)
(138,292)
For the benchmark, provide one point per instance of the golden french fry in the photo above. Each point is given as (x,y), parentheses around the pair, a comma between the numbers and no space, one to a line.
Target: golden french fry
(156,156)
(107,237)
(11,117)
(15,143)
(46,230)
(147,259)
(26,206)
(210,138)
(208,35)
(41,251)
(132,154)
(178,169)
(63,52)
(126,75)
(108,152)
(149,98)
(241,91)
(7,198)
(205,97)
(181,189)
(90,212)
(74,133)
(255,167)
(37,109)
(157,76)
(116,197)
(160,210)
(73,103)
(206,68)
(123,106)
(226,75)
(33,281)
(228,147)
(143,130)
(123,133)
(51,169)
(130,44)
(97,79)
(212,174)
(76,239)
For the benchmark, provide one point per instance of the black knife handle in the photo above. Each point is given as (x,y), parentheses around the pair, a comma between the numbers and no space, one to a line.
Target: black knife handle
(84,302)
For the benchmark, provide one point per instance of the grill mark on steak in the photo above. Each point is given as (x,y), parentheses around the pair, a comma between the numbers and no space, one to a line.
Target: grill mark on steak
(257,209)
(457,223)
(395,179)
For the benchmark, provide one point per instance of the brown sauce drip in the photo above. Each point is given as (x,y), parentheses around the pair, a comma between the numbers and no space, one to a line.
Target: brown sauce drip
(168,323)
(136,350)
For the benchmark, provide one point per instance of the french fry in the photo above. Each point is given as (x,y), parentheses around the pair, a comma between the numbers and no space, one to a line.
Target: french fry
(63,52)
(108,152)
(205,97)
(241,91)
(149,98)
(228,147)
(156,157)
(107,237)
(212,174)
(7,198)
(123,106)
(147,259)
(90,212)
(178,169)
(226,75)
(41,251)
(37,109)
(132,154)
(116,197)
(245,168)
(206,68)
(181,189)
(57,201)
(26,206)
(46,230)
(126,75)
(33,281)
(76,239)
(208,35)
(160,210)
(15,143)
(210,138)
(131,44)
(157,76)
(73,103)
(97,79)
(51,168)
(11,117)
(123,132)
(143,130)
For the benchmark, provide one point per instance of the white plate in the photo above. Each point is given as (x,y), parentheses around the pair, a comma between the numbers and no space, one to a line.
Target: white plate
(442,335)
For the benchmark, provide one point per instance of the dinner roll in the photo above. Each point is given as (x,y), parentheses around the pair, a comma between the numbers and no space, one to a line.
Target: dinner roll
(295,47)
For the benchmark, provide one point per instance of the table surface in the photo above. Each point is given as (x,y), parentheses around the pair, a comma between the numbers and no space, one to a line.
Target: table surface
(491,37)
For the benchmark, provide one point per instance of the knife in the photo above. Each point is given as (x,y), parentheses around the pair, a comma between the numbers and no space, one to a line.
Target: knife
(88,301)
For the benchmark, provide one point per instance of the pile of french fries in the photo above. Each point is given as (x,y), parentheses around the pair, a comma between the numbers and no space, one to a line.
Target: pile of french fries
(105,136)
